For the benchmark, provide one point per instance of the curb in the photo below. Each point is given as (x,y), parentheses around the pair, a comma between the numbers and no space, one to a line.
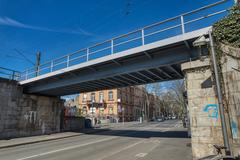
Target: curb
(45,140)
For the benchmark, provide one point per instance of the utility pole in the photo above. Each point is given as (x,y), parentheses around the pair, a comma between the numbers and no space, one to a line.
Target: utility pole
(219,94)
(38,59)
(123,114)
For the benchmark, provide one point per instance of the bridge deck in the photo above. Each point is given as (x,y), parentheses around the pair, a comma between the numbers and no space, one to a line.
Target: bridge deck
(158,61)
(150,54)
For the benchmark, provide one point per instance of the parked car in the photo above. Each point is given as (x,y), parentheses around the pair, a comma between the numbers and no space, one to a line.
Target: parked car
(159,119)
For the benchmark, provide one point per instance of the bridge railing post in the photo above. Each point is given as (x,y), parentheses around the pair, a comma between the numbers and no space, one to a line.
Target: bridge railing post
(68,60)
(51,68)
(111,46)
(13,75)
(143,40)
(182,24)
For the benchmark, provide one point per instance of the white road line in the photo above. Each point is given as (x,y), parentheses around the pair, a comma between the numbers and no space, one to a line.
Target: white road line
(125,148)
(67,148)
(141,155)
(175,126)
(71,147)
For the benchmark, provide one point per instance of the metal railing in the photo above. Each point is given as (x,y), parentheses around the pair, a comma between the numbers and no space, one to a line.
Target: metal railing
(9,74)
(190,21)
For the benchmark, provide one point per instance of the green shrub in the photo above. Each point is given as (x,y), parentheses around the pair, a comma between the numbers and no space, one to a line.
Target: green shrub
(227,30)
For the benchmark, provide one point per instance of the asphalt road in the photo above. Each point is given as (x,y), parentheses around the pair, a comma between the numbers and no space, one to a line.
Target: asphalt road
(152,141)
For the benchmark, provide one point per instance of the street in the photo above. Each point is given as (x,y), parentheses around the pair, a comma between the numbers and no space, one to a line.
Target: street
(149,141)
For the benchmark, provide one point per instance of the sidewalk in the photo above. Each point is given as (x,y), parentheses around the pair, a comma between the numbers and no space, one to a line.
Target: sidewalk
(43,138)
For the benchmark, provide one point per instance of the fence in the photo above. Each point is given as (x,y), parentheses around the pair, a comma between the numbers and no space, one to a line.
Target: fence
(9,74)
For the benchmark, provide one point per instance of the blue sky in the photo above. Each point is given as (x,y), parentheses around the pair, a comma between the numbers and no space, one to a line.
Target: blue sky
(58,27)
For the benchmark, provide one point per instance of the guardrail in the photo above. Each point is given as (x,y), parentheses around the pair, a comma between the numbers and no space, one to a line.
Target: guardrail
(9,74)
(190,21)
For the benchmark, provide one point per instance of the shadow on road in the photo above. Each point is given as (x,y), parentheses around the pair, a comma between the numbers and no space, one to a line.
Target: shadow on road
(137,133)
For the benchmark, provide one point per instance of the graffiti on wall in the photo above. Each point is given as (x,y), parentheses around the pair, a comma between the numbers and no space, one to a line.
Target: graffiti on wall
(234,129)
(31,117)
(212,110)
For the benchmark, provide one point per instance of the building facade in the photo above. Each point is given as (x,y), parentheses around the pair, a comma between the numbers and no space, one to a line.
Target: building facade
(114,105)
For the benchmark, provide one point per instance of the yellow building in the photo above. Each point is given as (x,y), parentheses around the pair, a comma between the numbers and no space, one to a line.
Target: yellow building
(114,104)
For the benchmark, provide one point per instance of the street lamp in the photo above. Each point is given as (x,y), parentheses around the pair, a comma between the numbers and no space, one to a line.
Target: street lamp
(198,43)
(92,111)
(122,109)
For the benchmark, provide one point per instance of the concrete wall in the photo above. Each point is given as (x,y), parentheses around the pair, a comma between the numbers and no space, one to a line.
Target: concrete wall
(230,69)
(73,123)
(26,115)
(203,108)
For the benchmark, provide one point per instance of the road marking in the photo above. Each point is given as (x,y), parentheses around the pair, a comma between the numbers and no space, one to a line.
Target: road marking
(71,147)
(141,155)
(67,148)
(175,125)
(125,148)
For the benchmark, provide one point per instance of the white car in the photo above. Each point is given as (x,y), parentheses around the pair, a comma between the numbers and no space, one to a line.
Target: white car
(159,119)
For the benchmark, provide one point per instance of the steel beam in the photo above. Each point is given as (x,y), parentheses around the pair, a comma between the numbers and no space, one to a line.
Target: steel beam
(187,45)
(93,69)
(113,82)
(154,74)
(103,81)
(116,62)
(120,80)
(99,83)
(175,71)
(137,78)
(143,75)
(147,54)
(128,79)
(165,73)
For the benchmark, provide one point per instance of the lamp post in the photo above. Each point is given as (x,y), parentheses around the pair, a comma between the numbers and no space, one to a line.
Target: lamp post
(219,94)
(200,42)
(92,112)
(122,109)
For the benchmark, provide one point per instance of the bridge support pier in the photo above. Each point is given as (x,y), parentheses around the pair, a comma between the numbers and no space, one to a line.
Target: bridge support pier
(25,114)
(205,120)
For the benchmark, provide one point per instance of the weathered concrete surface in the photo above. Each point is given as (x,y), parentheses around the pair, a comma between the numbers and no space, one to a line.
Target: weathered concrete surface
(73,123)
(230,71)
(203,108)
(26,115)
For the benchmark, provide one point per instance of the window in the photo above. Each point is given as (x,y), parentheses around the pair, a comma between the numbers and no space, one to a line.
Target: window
(101,111)
(101,97)
(110,110)
(92,110)
(84,110)
(84,97)
(92,97)
(110,95)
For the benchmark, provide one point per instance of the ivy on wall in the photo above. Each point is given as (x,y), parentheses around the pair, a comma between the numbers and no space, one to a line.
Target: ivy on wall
(227,30)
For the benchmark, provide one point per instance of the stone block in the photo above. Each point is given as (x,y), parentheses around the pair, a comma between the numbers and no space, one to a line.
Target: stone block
(201,93)
(195,64)
(200,150)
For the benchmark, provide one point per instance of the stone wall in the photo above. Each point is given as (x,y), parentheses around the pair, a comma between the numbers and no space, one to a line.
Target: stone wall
(203,108)
(230,69)
(27,115)
(73,123)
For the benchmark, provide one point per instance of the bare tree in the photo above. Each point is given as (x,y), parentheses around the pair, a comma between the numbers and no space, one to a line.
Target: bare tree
(177,88)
